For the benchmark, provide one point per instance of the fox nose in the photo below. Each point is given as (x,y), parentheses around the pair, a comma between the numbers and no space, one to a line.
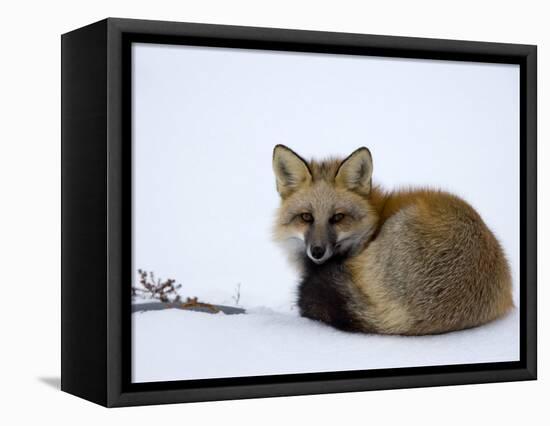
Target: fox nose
(317,252)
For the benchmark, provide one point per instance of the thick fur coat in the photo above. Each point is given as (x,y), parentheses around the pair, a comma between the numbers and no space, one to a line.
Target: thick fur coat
(406,262)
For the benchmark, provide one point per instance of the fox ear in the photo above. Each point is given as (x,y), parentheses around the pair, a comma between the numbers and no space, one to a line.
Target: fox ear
(290,170)
(355,172)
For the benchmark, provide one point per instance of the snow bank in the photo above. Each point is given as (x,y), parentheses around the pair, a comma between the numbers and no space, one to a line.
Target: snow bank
(179,345)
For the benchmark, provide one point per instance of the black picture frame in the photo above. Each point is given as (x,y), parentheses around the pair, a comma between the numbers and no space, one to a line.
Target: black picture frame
(96,226)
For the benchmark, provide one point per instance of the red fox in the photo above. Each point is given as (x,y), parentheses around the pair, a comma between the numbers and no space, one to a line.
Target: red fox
(408,262)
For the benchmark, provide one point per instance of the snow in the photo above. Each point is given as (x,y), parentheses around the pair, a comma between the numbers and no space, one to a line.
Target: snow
(181,345)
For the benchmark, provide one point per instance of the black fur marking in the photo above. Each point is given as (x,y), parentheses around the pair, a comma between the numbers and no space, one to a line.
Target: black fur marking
(323,294)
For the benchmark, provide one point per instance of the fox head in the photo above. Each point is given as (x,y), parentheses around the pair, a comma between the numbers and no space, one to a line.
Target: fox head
(325,206)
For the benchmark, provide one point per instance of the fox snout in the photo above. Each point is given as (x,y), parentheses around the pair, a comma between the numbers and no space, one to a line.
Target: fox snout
(319,247)
(318,253)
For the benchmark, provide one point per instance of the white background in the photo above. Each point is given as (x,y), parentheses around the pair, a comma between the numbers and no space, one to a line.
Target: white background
(29,176)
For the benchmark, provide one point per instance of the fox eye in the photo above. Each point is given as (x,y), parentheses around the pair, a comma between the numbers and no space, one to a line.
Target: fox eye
(307,217)
(337,218)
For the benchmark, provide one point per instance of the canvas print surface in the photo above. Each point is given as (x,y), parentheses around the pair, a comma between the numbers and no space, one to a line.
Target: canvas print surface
(305,212)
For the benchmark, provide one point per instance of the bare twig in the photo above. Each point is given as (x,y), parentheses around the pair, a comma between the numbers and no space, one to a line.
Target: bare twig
(237,296)
(165,291)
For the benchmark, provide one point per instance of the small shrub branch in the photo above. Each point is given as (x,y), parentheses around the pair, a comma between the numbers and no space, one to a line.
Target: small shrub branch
(155,288)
